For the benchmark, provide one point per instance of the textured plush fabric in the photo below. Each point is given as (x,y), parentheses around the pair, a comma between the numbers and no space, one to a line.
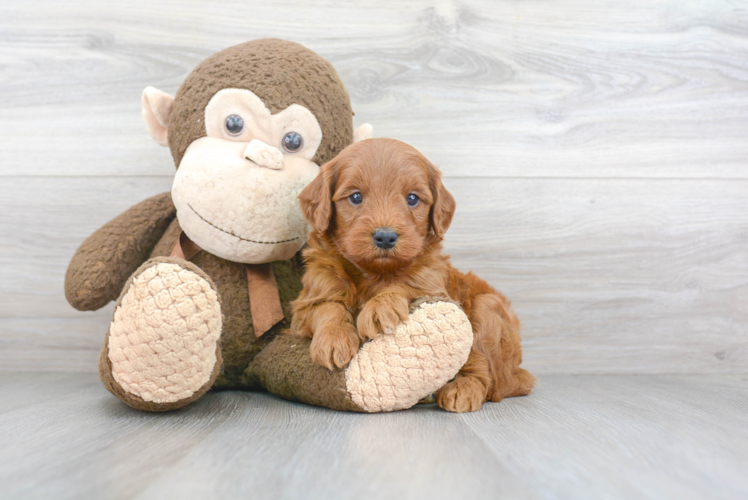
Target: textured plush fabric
(395,371)
(106,368)
(281,73)
(392,372)
(107,258)
(164,335)
(286,369)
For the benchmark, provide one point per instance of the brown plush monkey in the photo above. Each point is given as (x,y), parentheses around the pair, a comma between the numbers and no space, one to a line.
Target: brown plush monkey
(205,274)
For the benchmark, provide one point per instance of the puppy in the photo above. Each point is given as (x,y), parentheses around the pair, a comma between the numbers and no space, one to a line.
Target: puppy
(378,213)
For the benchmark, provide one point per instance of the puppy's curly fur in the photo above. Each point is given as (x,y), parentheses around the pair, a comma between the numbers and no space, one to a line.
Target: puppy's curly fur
(355,289)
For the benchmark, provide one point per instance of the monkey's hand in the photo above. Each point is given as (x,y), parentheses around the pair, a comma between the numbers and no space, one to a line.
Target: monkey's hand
(382,314)
(104,262)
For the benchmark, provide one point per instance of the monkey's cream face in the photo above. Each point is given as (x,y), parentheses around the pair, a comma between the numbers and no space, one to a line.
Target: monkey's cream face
(236,190)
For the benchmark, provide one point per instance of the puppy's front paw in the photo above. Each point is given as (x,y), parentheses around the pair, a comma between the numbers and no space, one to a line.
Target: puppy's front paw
(334,345)
(382,314)
(461,395)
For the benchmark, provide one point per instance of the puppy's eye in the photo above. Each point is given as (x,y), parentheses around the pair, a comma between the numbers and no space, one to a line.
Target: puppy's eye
(356,198)
(412,200)
(293,142)
(234,125)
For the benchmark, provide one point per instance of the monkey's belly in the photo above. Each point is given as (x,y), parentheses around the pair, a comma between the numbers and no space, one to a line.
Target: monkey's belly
(238,343)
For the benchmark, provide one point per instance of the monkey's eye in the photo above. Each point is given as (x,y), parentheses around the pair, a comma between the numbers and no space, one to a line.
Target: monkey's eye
(234,124)
(412,200)
(356,198)
(292,142)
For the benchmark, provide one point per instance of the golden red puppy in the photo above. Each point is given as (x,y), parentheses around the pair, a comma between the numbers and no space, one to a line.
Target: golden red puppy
(379,212)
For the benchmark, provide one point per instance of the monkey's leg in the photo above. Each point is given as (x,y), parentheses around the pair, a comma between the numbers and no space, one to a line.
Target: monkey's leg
(391,372)
(161,351)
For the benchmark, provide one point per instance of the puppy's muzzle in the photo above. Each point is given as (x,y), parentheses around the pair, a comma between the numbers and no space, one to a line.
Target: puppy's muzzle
(384,238)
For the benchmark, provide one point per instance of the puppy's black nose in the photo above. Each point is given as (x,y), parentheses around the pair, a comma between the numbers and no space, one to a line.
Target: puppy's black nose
(385,238)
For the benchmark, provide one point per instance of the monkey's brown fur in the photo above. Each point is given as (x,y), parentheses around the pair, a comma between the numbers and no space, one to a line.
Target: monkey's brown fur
(280,73)
(354,291)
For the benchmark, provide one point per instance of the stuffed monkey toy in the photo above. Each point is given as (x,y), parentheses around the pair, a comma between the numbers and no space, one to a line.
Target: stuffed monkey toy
(204,276)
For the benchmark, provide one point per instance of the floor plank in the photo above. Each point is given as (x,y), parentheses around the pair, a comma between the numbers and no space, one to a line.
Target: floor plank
(574,437)
(639,437)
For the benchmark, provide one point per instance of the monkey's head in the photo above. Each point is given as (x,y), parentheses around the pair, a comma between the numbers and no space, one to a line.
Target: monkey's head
(248,130)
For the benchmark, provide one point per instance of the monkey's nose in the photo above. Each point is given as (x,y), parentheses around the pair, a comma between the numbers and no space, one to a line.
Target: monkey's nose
(385,238)
(264,155)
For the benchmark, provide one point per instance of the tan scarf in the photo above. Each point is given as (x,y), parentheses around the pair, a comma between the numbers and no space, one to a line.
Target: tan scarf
(264,298)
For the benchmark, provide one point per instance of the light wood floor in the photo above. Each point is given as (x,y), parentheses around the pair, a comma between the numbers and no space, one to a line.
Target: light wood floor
(575,437)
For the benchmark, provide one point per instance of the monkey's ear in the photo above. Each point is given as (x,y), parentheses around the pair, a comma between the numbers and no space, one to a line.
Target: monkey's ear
(443,208)
(316,198)
(157,106)
(362,132)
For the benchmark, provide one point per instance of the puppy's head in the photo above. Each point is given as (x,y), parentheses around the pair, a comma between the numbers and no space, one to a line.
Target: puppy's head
(381,203)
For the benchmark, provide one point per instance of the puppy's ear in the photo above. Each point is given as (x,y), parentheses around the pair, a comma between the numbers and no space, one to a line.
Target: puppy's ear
(316,198)
(443,208)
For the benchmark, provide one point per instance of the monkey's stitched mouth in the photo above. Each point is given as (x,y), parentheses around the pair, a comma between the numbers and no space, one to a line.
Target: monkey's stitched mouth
(239,237)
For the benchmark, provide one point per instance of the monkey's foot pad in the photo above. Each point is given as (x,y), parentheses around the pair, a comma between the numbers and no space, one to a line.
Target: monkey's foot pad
(163,339)
(394,371)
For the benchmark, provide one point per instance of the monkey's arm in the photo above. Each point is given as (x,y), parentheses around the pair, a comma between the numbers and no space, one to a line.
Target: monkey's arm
(107,258)
(390,372)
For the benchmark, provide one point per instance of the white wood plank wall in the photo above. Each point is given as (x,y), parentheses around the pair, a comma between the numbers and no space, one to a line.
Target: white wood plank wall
(598,151)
